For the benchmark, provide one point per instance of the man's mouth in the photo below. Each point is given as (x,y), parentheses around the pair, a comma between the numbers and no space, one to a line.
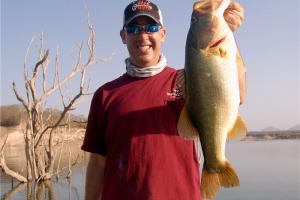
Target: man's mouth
(143,48)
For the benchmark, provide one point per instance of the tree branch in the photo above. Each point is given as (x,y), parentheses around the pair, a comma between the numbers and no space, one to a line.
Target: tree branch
(19,98)
(10,172)
(35,71)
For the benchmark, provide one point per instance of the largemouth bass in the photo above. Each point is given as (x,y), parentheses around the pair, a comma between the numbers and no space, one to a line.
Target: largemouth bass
(212,92)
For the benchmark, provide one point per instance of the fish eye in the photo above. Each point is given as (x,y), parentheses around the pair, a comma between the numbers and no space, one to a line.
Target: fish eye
(193,19)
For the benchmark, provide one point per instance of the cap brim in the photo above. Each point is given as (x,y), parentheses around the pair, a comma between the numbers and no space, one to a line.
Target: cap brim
(139,15)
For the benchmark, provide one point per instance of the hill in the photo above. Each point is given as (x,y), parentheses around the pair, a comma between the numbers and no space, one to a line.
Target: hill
(270,128)
(296,127)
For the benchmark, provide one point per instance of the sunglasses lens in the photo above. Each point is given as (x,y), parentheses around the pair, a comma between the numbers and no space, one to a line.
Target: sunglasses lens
(132,29)
(136,29)
(151,28)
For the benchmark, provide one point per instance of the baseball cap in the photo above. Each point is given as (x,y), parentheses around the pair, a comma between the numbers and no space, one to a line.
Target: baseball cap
(142,8)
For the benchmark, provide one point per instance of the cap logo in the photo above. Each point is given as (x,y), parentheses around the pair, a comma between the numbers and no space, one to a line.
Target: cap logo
(142,5)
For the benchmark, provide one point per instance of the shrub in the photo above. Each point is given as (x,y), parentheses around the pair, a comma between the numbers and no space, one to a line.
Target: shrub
(10,115)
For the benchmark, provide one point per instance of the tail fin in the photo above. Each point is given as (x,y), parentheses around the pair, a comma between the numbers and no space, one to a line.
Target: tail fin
(228,177)
(210,184)
(212,181)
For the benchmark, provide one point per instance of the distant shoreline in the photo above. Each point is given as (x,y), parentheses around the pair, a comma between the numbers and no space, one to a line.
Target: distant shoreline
(16,132)
(272,135)
(16,137)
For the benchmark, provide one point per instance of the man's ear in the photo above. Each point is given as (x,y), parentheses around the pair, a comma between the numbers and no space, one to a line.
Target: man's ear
(123,36)
(163,34)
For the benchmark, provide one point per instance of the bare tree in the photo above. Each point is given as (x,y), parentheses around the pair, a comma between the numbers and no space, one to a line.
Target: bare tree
(39,131)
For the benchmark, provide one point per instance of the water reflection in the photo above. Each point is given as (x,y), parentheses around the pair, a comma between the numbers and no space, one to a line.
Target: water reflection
(39,191)
(14,190)
(55,189)
(59,187)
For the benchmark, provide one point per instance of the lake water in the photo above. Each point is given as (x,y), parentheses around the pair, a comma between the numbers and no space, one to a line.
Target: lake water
(268,170)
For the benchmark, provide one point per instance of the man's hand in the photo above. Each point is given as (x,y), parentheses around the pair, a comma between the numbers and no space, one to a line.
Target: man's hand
(234,15)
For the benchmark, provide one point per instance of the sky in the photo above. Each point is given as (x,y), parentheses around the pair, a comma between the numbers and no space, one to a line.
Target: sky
(269,41)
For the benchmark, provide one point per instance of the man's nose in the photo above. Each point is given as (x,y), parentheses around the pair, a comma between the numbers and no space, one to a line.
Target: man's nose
(143,34)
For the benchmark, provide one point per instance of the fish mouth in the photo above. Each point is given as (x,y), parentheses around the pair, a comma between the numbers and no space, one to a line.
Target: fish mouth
(217,43)
(204,6)
(200,7)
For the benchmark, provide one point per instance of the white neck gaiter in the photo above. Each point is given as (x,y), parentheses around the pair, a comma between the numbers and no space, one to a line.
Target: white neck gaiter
(135,71)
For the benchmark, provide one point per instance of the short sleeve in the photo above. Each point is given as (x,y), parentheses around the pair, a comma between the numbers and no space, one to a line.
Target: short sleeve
(94,139)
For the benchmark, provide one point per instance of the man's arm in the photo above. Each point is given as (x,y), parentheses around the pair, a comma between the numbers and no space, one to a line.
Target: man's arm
(94,177)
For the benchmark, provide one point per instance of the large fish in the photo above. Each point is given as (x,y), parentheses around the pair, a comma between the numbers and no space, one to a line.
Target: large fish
(212,92)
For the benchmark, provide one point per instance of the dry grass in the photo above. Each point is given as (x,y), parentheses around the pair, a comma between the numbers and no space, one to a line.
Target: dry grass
(10,115)
(14,115)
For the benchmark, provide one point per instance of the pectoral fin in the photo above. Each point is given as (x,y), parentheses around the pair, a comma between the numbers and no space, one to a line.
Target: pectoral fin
(239,129)
(185,127)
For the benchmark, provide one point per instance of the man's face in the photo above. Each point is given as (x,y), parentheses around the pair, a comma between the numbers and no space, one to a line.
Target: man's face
(143,48)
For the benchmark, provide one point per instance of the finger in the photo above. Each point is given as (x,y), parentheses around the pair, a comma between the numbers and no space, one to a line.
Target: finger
(235,6)
(239,16)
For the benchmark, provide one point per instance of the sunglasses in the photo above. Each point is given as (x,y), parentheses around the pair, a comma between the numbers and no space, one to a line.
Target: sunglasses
(136,29)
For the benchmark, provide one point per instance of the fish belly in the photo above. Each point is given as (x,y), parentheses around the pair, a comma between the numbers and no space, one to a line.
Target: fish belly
(212,101)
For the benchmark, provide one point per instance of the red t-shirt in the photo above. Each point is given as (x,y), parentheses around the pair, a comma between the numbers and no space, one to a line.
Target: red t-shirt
(133,122)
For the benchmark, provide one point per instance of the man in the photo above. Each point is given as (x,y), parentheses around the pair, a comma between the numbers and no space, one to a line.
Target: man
(136,152)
